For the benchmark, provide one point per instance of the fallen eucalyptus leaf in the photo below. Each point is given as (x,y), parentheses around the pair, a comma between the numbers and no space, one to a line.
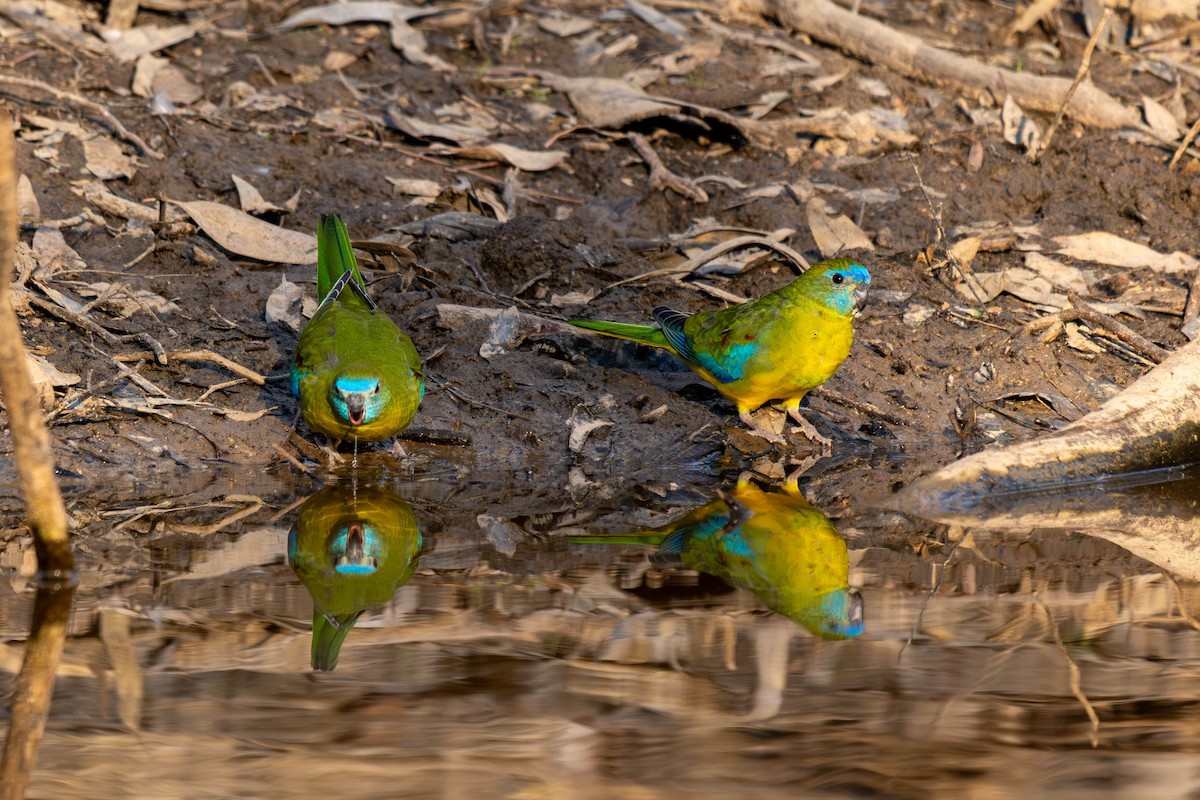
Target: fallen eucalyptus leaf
(1101,247)
(248,236)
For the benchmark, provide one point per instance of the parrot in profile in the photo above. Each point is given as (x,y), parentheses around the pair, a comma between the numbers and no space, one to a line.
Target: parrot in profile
(352,549)
(773,544)
(357,375)
(779,347)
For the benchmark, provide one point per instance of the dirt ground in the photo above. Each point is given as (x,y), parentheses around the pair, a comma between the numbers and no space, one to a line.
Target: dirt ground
(311,113)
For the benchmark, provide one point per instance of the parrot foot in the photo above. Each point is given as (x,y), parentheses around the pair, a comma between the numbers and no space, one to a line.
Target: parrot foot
(810,432)
(332,456)
(755,430)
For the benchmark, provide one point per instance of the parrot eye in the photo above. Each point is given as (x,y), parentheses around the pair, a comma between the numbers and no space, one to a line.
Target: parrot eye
(838,277)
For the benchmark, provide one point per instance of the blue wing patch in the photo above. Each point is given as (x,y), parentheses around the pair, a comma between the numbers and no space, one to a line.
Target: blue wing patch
(727,370)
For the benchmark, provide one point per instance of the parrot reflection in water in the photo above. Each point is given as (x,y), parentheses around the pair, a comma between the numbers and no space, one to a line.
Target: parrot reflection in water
(772,543)
(779,347)
(357,375)
(352,549)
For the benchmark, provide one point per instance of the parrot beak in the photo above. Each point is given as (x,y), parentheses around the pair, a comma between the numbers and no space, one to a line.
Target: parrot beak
(860,297)
(355,411)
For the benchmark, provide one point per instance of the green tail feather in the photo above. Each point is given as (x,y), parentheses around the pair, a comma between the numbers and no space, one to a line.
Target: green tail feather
(334,255)
(328,635)
(643,334)
(647,538)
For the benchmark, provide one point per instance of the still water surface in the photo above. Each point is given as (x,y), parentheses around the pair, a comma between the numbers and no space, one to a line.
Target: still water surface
(460,635)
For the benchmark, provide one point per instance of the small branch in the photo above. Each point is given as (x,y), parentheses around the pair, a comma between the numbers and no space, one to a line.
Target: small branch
(201,355)
(1082,312)
(89,105)
(699,260)
(1084,64)
(661,177)
(1075,676)
(1188,138)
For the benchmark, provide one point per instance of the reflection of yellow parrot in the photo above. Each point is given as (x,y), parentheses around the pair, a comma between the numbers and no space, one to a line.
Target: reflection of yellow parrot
(352,550)
(773,543)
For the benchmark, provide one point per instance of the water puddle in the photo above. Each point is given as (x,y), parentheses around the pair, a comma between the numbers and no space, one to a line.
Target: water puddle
(483,634)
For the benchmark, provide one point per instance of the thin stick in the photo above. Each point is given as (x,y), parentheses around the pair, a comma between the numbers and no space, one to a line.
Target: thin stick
(203,355)
(1188,138)
(1084,64)
(89,105)
(699,260)
(1082,312)
(661,177)
(964,272)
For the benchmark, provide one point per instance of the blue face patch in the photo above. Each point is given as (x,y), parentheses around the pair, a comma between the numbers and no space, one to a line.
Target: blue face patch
(842,285)
(349,385)
(842,614)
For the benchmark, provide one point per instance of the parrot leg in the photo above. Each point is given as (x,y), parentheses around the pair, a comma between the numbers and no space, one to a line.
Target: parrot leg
(744,415)
(806,427)
(334,457)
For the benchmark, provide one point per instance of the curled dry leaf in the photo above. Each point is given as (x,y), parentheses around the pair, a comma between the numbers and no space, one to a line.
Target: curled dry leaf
(419,129)
(154,76)
(1019,129)
(134,43)
(1160,120)
(1059,275)
(564,25)
(527,160)
(1101,247)
(27,202)
(834,234)
(287,303)
(338,59)
(126,301)
(252,201)
(46,377)
(244,235)
(411,44)
(105,159)
(355,11)
(416,187)
(582,426)
(53,254)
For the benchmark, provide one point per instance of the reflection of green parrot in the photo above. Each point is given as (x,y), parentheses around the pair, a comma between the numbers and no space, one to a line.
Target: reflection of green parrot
(352,550)
(774,544)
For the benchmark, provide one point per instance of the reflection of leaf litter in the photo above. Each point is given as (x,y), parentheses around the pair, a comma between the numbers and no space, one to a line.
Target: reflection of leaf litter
(248,236)
(1019,129)
(527,160)
(1101,247)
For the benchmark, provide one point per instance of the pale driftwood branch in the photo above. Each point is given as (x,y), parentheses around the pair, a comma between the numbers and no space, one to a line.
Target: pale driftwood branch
(874,41)
(1154,423)
(43,503)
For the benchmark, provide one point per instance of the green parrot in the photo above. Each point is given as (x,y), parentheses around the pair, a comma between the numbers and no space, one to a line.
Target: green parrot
(357,375)
(779,347)
(772,543)
(352,549)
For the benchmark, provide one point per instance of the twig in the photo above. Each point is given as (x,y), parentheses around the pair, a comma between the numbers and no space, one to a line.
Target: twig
(1080,311)
(1076,684)
(90,105)
(79,320)
(1188,138)
(661,177)
(964,273)
(695,262)
(1084,64)
(453,392)
(840,399)
(202,355)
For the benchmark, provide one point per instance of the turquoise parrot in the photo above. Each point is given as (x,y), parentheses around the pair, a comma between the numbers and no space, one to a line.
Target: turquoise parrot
(779,347)
(773,544)
(352,549)
(356,374)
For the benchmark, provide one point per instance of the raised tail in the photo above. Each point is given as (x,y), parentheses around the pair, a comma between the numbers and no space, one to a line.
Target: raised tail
(328,634)
(335,256)
(642,334)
